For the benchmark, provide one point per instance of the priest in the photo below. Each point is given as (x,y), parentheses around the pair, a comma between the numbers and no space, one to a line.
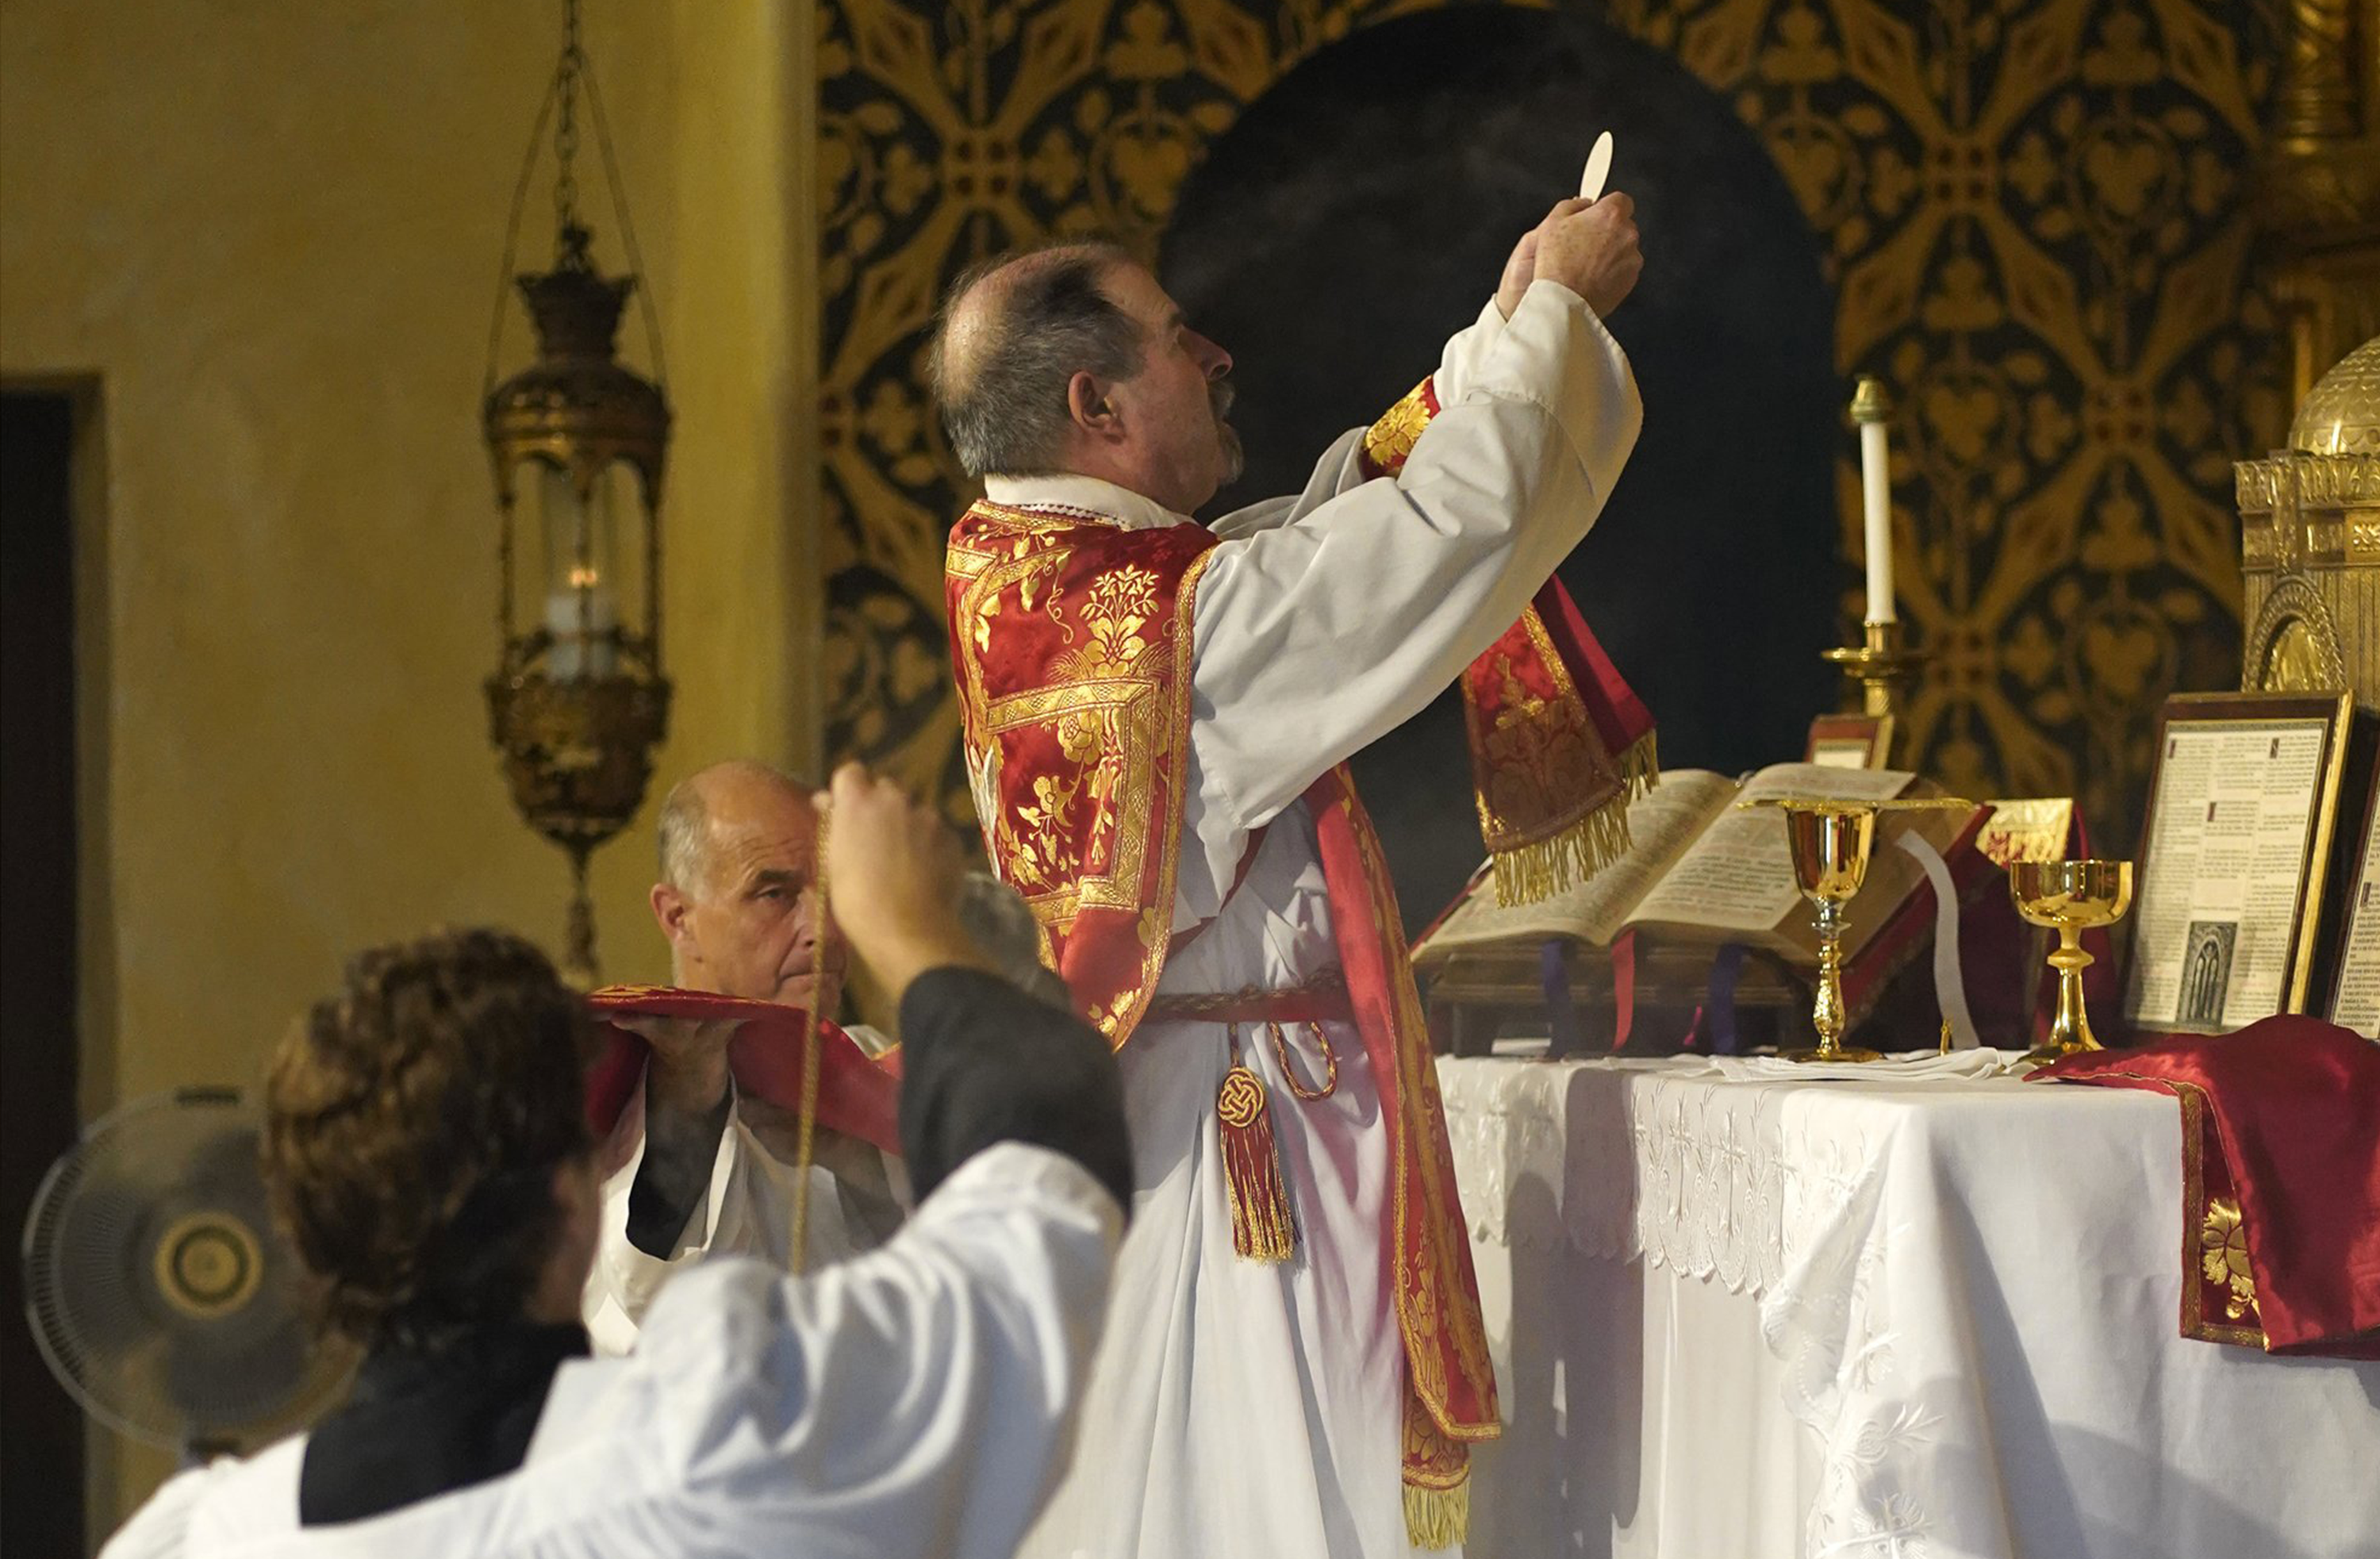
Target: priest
(1155,718)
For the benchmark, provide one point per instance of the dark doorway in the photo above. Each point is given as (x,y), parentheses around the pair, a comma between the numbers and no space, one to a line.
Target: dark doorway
(42,1475)
(1360,212)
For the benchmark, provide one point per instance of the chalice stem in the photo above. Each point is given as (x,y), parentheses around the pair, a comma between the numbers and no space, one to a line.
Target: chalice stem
(1826,1016)
(2070,1030)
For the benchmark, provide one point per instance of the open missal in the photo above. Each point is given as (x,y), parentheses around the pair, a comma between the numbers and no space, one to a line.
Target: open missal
(1698,870)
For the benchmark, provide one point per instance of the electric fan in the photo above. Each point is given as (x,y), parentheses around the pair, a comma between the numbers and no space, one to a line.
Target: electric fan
(159,1290)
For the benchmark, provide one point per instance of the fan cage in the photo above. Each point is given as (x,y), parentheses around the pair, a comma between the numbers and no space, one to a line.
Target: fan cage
(146,1360)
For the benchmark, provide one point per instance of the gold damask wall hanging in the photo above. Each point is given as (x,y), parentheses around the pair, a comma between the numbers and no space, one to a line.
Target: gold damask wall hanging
(2038,236)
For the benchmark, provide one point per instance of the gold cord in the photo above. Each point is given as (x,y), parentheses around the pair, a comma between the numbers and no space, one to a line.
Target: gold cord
(812,1042)
(1289,1073)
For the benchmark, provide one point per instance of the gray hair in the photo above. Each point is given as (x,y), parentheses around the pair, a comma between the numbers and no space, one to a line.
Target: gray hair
(996,919)
(684,821)
(1012,333)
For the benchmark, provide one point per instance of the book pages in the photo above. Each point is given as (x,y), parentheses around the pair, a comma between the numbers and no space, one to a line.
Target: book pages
(2224,871)
(1738,875)
(1661,823)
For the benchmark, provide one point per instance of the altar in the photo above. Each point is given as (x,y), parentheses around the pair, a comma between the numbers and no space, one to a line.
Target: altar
(1918,1308)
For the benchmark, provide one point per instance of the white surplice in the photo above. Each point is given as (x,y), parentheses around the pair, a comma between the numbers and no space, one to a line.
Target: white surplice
(858,1197)
(915,1401)
(1240,1409)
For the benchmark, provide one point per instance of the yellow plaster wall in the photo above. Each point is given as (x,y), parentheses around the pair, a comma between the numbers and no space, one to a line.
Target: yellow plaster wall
(269,232)
(742,327)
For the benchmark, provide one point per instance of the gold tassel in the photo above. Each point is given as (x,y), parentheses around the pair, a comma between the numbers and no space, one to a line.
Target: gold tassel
(1532,872)
(1438,1517)
(1263,1228)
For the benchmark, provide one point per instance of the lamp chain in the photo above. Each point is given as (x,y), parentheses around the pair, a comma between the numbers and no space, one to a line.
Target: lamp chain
(579,941)
(568,72)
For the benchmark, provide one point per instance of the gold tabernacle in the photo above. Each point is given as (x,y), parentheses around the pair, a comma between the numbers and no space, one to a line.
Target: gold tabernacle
(2310,542)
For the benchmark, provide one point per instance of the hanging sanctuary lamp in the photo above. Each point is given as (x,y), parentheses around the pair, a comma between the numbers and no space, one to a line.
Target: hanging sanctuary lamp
(578,443)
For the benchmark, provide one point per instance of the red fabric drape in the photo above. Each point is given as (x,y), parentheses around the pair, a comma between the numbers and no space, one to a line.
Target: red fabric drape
(2280,1178)
(857,1095)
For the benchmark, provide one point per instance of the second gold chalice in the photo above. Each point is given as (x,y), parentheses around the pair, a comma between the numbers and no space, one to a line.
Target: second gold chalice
(2072,896)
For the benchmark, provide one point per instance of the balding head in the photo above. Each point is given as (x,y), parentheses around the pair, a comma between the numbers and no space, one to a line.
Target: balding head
(1073,359)
(1014,333)
(737,788)
(738,896)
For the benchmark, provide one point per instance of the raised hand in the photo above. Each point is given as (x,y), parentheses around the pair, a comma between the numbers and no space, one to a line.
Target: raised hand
(1591,249)
(893,875)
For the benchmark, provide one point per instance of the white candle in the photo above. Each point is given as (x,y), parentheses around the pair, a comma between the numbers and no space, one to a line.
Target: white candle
(1875,490)
(584,624)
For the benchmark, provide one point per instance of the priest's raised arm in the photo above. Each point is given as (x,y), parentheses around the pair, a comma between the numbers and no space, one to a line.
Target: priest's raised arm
(1324,630)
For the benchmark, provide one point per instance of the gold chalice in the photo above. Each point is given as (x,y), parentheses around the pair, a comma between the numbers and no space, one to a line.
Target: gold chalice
(1830,841)
(2072,896)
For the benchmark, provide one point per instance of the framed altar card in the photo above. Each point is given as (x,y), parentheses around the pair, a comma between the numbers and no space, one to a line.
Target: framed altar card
(1849,741)
(2355,994)
(2244,798)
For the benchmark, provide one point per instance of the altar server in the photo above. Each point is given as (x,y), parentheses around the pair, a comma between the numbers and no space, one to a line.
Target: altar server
(691,1165)
(426,1148)
(1155,714)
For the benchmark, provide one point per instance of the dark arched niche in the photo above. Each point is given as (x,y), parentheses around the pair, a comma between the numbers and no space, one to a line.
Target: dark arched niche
(1361,211)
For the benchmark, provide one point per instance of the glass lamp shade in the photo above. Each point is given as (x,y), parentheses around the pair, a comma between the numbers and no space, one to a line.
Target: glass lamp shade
(579,591)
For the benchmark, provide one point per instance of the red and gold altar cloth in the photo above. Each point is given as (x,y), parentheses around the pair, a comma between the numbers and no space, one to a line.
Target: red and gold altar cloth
(857,1095)
(2281,1180)
(1559,743)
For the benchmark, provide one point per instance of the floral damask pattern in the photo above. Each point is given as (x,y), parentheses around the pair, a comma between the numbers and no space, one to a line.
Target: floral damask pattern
(2223,1256)
(2035,228)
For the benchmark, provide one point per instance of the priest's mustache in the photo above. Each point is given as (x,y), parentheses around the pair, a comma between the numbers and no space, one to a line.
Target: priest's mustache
(1220,394)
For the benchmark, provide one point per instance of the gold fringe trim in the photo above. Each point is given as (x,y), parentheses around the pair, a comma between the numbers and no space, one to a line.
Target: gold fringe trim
(1529,873)
(1438,1517)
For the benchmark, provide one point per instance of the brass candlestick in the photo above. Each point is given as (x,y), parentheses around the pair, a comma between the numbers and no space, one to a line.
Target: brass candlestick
(1882,667)
(2072,896)
(1882,663)
(1830,840)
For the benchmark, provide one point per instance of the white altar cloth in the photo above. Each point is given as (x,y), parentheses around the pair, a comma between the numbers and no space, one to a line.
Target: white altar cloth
(1739,1311)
